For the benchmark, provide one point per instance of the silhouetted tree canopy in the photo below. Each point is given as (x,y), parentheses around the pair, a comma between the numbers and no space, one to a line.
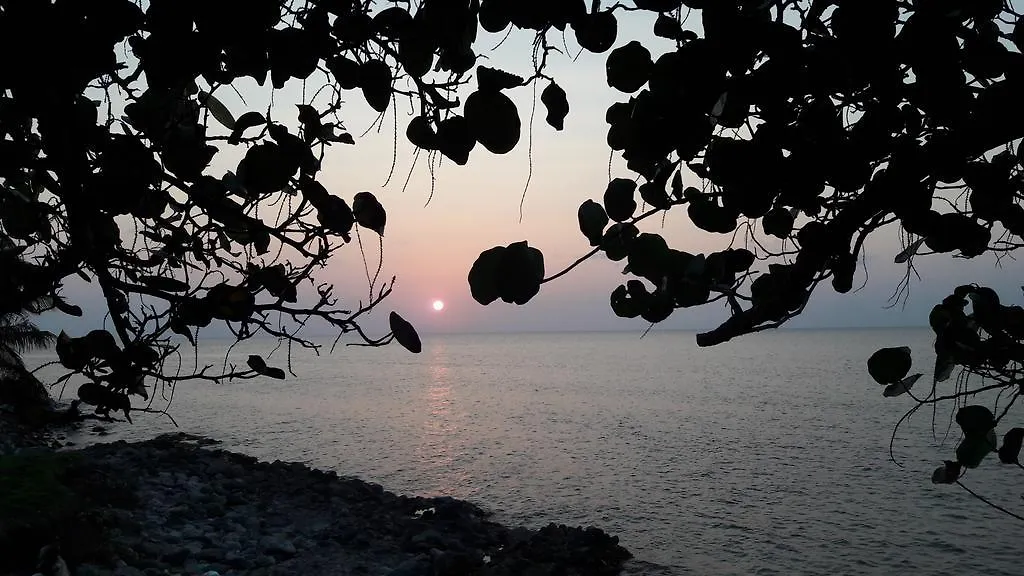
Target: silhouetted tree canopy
(798,129)
(794,128)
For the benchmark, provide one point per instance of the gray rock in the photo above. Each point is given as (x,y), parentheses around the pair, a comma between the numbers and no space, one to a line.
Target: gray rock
(428,537)
(238,560)
(177,557)
(416,566)
(277,546)
(127,571)
(90,570)
(211,554)
(264,561)
(152,549)
(191,531)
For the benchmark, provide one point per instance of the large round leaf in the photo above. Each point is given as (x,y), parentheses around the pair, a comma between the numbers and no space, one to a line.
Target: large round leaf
(628,67)
(483,276)
(596,32)
(493,120)
(375,81)
(520,273)
(265,169)
(976,421)
(455,139)
(889,365)
(369,212)
(618,199)
(593,220)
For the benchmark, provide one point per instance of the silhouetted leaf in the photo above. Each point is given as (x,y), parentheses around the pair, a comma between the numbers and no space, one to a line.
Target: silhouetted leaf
(483,276)
(653,193)
(404,333)
(649,257)
(93,394)
(346,71)
(948,473)
(335,215)
(889,365)
(70,356)
(493,120)
(520,273)
(596,32)
(901,387)
(69,309)
(455,140)
(375,81)
(165,283)
(232,303)
(667,27)
(257,363)
(260,367)
(617,239)
(493,79)
(494,16)
(266,169)
(626,304)
(975,421)
(368,212)
(592,220)
(619,202)
(421,134)
(907,253)
(217,110)
(244,122)
(628,67)
(778,222)
(1009,452)
(972,450)
(944,366)
(554,100)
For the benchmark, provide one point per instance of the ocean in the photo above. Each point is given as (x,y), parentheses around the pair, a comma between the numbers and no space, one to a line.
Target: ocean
(765,455)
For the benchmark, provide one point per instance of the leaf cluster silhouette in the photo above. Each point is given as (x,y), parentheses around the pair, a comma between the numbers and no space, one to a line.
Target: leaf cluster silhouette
(796,128)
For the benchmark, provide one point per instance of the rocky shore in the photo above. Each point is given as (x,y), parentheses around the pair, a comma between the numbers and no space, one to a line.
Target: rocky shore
(178,505)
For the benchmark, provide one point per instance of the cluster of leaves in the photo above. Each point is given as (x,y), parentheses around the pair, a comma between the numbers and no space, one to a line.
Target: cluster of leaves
(807,125)
(985,340)
(107,148)
(801,127)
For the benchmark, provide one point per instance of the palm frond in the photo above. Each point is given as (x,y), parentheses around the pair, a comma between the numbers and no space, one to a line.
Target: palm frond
(21,335)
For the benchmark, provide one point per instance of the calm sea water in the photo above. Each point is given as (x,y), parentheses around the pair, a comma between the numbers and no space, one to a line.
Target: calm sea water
(768,455)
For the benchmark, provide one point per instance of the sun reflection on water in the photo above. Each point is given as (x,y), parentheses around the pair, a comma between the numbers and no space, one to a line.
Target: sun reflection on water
(443,442)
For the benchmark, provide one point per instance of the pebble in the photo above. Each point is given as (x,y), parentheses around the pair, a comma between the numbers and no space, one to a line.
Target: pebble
(211,512)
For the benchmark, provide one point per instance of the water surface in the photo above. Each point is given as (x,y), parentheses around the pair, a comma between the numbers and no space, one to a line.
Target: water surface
(767,455)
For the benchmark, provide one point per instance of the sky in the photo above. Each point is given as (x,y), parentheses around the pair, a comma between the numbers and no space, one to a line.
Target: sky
(430,247)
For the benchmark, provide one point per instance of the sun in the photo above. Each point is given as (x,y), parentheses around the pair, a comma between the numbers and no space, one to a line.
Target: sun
(438,305)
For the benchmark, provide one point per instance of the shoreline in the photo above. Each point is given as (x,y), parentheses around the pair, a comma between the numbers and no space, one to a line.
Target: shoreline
(175,504)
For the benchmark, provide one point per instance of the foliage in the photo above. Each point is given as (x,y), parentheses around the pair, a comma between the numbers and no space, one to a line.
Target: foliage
(985,339)
(800,128)
(18,335)
(48,497)
(109,155)
(795,127)
(31,484)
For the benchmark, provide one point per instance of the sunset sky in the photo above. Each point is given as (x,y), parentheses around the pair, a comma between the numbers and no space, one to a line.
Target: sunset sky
(431,247)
